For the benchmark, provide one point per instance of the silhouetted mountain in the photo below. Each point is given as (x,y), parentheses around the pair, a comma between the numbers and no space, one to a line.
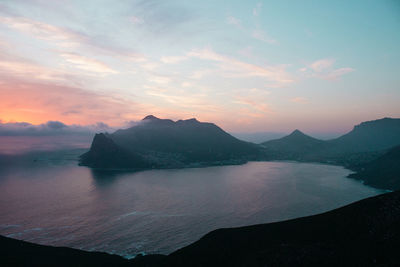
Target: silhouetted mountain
(365,142)
(368,136)
(384,172)
(104,153)
(295,146)
(365,233)
(163,143)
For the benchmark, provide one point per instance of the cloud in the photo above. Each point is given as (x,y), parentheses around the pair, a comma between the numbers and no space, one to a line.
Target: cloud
(136,20)
(196,102)
(162,18)
(55,125)
(256,105)
(44,31)
(186,84)
(257,9)
(335,74)
(159,79)
(172,59)
(299,100)
(69,39)
(262,36)
(36,102)
(322,64)
(236,68)
(234,21)
(51,128)
(199,74)
(26,69)
(150,66)
(323,69)
(88,64)
(256,33)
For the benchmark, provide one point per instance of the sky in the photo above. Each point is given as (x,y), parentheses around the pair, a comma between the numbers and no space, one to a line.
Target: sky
(248,66)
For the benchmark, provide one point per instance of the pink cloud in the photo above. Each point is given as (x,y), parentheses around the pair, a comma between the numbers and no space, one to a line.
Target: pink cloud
(38,102)
(323,69)
(299,100)
(60,36)
(65,38)
(333,75)
(172,59)
(88,64)
(256,105)
(136,20)
(322,64)
(236,68)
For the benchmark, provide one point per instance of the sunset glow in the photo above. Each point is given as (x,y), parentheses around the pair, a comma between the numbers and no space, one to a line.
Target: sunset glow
(244,65)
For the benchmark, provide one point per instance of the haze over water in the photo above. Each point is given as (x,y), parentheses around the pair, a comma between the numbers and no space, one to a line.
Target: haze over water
(56,202)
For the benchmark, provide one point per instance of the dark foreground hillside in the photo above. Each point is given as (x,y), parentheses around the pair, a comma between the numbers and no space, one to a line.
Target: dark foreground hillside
(383,172)
(365,233)
(20,253)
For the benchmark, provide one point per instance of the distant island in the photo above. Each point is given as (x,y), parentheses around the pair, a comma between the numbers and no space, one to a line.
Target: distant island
(365,233)
(156,143)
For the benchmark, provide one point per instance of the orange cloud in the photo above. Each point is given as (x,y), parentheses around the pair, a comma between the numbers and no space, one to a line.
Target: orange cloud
(37,103)
(88,64)
(299,100)
(44,31)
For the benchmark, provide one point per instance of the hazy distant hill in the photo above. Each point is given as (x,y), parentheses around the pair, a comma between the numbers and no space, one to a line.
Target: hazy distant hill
(364,143)
(257,137)
(295,146)
(384,172)
(163,143)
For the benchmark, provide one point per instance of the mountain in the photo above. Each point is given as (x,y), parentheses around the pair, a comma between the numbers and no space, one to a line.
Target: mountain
(368,136)
(364,233)
(105,153)
(365,142)
(163,143)
(383,172)
(295,146)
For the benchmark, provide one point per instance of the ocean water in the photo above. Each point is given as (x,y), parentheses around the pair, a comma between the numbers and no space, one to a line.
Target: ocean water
(51,200)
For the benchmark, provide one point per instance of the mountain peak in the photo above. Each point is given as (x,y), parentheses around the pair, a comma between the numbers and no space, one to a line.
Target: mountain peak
(192,120)
(297,132)
(150,117)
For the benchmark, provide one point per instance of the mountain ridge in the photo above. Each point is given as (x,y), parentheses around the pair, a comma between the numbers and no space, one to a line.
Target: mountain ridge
(163,143)
(365,142)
